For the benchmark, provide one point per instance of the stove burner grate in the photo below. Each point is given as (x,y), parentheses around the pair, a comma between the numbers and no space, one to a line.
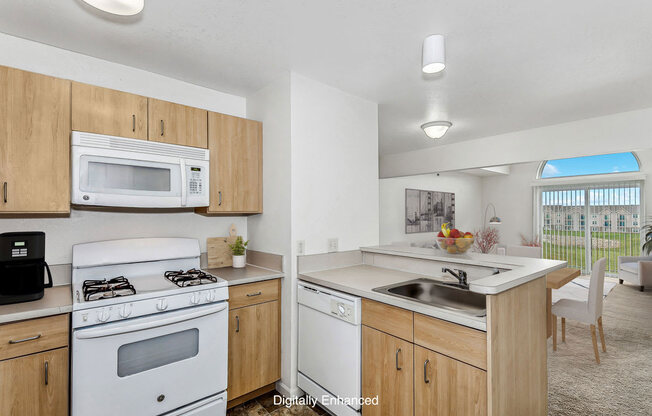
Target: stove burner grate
(105,289)
(192,277)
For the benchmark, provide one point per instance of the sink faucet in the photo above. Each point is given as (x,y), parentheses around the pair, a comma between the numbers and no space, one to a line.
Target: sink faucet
(460,275)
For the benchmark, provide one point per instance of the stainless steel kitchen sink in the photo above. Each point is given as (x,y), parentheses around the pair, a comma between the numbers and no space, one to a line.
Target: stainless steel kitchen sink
(438,294)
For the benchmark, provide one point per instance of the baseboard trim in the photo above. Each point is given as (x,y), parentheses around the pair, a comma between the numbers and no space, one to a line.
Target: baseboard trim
(287,391)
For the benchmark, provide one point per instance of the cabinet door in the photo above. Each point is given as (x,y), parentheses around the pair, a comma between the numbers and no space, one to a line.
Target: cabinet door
(177,124)
(236,146)
(34,143)
(254,348)
(35,385)
(104,111)
(387,372)
(447,387)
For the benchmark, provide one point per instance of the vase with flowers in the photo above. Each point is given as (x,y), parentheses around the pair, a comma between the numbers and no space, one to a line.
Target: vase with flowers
(486,239)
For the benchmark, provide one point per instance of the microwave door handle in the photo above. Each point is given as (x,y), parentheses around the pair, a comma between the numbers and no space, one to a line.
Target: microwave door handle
(49,283)
(122,328)
(184,187)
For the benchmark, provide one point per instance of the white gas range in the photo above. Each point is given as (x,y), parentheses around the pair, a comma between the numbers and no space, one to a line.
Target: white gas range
(150,330)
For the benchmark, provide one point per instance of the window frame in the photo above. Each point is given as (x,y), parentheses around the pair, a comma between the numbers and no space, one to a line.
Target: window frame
(542,166)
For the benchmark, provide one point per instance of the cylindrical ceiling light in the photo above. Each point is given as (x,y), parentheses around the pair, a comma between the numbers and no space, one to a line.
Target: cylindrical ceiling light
(434,54)
(436,129)
(119,7)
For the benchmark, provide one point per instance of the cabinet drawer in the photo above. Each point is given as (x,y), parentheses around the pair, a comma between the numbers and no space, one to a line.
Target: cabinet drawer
(462,343)
(34,335)
(390,319)
(254,293)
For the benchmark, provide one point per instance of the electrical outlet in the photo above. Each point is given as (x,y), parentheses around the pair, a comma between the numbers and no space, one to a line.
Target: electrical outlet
(301,247)
(332,245)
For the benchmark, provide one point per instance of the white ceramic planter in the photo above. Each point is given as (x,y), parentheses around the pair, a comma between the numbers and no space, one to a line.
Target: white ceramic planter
(238,262)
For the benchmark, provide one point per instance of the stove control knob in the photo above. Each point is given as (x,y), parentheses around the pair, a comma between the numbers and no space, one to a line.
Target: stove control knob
(195,298)
(103,315)
(162,304)
(125,311)
(210,296)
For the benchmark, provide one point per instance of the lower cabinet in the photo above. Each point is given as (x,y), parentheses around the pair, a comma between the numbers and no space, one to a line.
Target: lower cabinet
(410,379)
(254,341)
(35,385)
(444,386)
(387,372)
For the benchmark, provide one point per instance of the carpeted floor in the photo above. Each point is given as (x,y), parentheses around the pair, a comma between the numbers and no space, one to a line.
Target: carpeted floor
(622,383)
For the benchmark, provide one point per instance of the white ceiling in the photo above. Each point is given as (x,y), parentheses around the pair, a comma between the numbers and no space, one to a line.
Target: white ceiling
(511,64)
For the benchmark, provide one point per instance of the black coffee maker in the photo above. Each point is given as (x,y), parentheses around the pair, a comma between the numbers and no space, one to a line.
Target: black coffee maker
(22,267)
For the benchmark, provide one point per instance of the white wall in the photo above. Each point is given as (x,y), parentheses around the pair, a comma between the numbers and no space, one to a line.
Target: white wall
(320,182)
(512,196)
(334,167)
(468,200)
(84,226)
(614,133)
(270,232)
(48,60)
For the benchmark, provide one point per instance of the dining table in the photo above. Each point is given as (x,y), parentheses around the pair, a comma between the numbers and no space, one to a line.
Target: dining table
(556,280)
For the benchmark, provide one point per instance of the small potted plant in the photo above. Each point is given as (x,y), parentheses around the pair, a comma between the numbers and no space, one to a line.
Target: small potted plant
(238,249)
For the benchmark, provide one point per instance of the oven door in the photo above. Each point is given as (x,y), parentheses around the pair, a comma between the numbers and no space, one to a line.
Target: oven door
(150,365)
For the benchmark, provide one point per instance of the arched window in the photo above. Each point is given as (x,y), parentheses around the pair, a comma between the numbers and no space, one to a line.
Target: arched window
(589,165)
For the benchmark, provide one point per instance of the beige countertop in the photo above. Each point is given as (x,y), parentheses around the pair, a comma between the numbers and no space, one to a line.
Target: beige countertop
(247,274)
(517,270)
(360,280)
(56,300)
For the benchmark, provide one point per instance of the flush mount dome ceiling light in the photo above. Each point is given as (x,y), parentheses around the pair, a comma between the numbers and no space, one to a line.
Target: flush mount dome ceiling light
(119,7)
(434,54)
(436,129)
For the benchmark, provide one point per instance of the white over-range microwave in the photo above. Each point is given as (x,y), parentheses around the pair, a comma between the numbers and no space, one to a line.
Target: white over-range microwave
(119,172)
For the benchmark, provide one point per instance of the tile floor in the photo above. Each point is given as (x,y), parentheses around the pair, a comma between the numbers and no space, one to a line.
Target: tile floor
(264,405)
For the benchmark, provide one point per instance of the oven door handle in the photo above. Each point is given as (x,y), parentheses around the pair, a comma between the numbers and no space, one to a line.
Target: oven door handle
(140,326)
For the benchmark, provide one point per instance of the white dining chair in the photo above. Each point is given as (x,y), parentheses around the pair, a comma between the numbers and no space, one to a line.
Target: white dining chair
(588,312)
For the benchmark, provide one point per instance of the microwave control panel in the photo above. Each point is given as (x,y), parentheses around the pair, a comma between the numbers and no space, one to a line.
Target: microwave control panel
(195,180)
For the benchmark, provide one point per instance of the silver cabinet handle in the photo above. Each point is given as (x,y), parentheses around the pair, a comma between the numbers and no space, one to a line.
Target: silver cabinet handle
(398,351)
(47,370)
(251,295)
(4,192)
(133,123)
(219,203)
(18,341)
(237,323)
(162,128)
(425,372)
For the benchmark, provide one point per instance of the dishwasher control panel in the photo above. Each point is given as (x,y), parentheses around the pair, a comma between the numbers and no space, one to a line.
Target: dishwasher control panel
(342,310)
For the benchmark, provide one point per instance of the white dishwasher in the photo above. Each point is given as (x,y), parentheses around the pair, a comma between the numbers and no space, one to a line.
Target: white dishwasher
(330,344)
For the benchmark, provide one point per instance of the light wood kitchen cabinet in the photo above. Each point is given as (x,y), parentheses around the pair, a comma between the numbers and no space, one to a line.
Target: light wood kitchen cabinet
(177,124)
(254,344)
(34,367)
(35,385)
(236,177)
(105,111)
(387,372)
(34,143)
(447,387)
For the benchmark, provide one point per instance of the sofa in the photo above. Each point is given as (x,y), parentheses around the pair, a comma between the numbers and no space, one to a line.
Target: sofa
(635,270)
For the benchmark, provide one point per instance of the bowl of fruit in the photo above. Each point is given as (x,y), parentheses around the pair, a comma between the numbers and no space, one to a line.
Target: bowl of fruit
(454,241)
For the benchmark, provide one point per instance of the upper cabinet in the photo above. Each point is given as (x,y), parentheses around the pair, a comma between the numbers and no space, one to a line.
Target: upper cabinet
(236,176)
(34,143)
(177,124)
(105,111)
